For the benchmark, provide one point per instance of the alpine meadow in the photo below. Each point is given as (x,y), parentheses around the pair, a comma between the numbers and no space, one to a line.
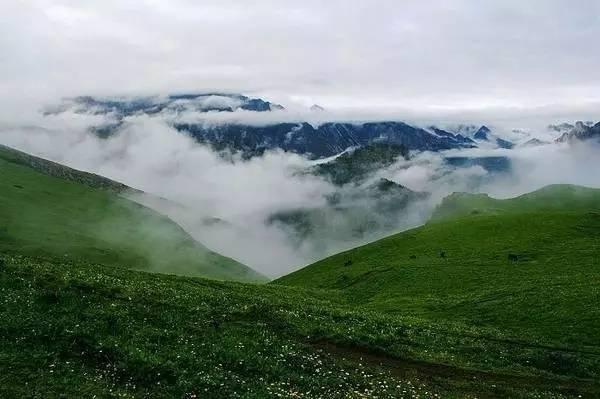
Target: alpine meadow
(299,200)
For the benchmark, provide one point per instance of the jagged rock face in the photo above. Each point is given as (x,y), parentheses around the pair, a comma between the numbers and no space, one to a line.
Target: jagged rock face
(581,132)
(504,143)
(458,137)
(465,130)
(485,134)
(561,128)
(325,140)
(482,133)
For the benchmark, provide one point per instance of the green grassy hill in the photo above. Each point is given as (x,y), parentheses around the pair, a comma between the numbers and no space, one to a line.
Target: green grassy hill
(75,329)
(559,198)
(529,266)
(54,169)
(49,210)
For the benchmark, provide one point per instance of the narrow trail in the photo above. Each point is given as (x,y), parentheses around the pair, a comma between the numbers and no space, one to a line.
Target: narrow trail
(482,384)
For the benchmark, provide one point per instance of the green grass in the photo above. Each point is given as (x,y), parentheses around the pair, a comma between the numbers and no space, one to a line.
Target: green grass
(558,197)
(54,169)
(511,310)
(533,272)
(77,330)
(80,216)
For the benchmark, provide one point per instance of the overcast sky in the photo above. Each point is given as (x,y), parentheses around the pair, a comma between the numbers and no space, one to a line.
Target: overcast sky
(453,54)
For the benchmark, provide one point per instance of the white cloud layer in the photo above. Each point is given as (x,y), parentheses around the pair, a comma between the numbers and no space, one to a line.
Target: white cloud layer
(508,64)
(224,204)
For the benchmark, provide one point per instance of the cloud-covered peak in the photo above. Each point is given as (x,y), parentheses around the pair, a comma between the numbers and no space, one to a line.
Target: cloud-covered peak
(174,103)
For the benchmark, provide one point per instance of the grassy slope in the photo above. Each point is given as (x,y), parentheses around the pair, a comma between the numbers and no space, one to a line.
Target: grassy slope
(66,217)
(560,198)
(77,329)
(528,266)
(54,169)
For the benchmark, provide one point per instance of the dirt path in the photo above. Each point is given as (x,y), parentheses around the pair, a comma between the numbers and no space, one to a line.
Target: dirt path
(482,384)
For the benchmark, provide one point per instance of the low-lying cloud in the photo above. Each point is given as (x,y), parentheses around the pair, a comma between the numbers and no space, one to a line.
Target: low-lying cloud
(224,201)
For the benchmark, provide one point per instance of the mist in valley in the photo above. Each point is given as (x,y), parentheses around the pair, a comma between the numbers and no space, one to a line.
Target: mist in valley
(227,202)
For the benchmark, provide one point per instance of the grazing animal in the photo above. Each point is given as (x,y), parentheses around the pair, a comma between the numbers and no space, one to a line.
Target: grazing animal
(513,257)
(215,323)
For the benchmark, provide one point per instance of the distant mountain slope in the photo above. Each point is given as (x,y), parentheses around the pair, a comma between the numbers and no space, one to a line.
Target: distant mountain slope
(581,132)
(321,141)
(456,135)
(317,141)
(492,164)
(361,207)
(49,210)
(527,265)
(357,164)
(199,102)
(561,127)
(54,169)
(559,197)
(350,215)
(482,133)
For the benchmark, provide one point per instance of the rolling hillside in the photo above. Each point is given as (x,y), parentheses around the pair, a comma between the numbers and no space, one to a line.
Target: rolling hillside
(554,198)
(529,266)
(77,329)
(49,210)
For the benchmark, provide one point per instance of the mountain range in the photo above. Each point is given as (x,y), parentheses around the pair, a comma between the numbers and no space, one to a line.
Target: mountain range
(580,132)
(121,107)
(324,139)
(320,140)
(316,141)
